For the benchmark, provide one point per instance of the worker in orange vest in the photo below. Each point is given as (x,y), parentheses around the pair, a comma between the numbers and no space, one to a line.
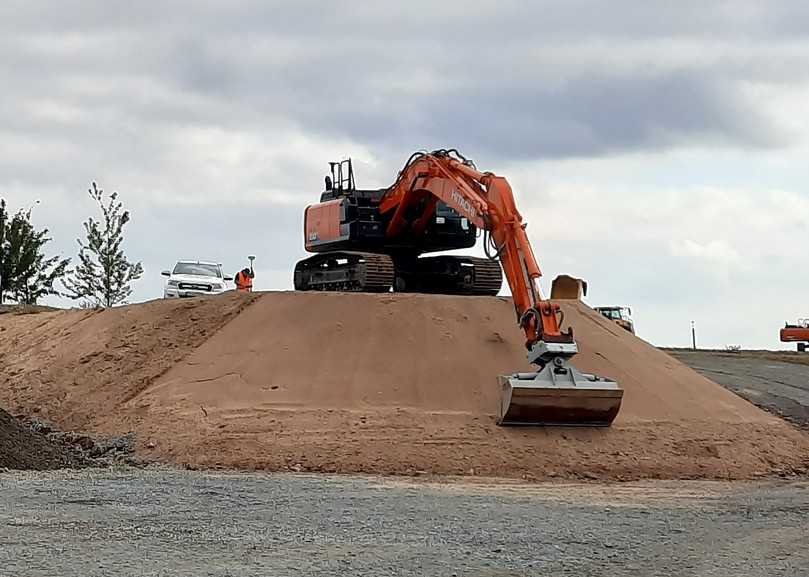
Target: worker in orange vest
(244,279)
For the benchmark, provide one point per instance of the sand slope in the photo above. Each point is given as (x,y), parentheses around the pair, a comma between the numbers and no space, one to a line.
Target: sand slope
(77,367)
(401,383)
(426,353)
(373,383)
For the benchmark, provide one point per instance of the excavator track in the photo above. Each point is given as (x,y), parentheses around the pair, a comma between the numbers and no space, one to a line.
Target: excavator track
(372,272)
(345,271)
(488,276)
(454,275)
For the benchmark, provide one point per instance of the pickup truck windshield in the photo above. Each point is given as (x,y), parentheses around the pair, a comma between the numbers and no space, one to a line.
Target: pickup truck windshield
(197,269)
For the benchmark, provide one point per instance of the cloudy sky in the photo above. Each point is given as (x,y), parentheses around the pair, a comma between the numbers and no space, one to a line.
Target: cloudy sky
(658,150)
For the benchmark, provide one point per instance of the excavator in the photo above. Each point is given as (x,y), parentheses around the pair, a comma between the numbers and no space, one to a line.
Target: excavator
(373,241)
(797,333)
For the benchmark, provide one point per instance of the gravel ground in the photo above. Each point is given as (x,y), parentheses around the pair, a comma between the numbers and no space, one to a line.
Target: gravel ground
(156,522)
(776,386)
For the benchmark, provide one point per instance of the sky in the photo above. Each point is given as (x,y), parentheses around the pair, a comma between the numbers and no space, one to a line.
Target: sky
(657,150)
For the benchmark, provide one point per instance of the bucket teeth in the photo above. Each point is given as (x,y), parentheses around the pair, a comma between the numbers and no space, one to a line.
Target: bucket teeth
(558,395)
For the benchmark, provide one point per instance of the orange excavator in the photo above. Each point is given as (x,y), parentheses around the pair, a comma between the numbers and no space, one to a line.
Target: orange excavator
(797,333)
(373,240)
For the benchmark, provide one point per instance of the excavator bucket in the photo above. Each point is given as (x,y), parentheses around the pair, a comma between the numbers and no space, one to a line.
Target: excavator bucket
(558,395)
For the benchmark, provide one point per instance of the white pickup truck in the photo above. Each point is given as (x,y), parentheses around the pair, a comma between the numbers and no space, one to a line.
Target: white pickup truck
(192,278)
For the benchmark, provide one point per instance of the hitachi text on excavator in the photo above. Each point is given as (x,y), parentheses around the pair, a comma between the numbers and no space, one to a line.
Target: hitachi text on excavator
(374,241)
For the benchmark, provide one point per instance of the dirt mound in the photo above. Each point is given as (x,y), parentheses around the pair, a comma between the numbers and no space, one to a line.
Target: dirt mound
(372,383)
(402,383)
(429,353)
(77,367)
(22,448)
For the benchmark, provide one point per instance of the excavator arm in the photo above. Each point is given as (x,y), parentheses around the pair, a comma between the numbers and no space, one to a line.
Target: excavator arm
(488,202)
(557,393)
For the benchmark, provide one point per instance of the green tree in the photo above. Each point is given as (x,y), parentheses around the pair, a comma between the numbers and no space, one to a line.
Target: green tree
(25,274)
(103,276)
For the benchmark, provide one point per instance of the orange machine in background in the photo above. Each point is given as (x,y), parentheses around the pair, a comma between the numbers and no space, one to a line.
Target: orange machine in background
(797,333)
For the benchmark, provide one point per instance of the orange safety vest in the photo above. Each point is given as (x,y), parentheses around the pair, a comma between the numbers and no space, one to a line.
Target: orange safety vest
(244,283)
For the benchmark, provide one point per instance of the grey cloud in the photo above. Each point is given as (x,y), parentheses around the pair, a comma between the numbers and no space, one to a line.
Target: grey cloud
(347,72)
(421,18)
(587,117)
(116,86)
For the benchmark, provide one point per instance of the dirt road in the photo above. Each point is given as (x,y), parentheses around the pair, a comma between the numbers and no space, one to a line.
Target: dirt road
(777,386)
(155,523)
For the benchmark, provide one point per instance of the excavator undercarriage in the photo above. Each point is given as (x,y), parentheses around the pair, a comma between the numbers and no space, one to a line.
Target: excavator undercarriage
(345,271)
(371,272)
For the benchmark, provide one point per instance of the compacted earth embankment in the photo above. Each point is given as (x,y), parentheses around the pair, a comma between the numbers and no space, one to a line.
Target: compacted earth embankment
(385,383)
